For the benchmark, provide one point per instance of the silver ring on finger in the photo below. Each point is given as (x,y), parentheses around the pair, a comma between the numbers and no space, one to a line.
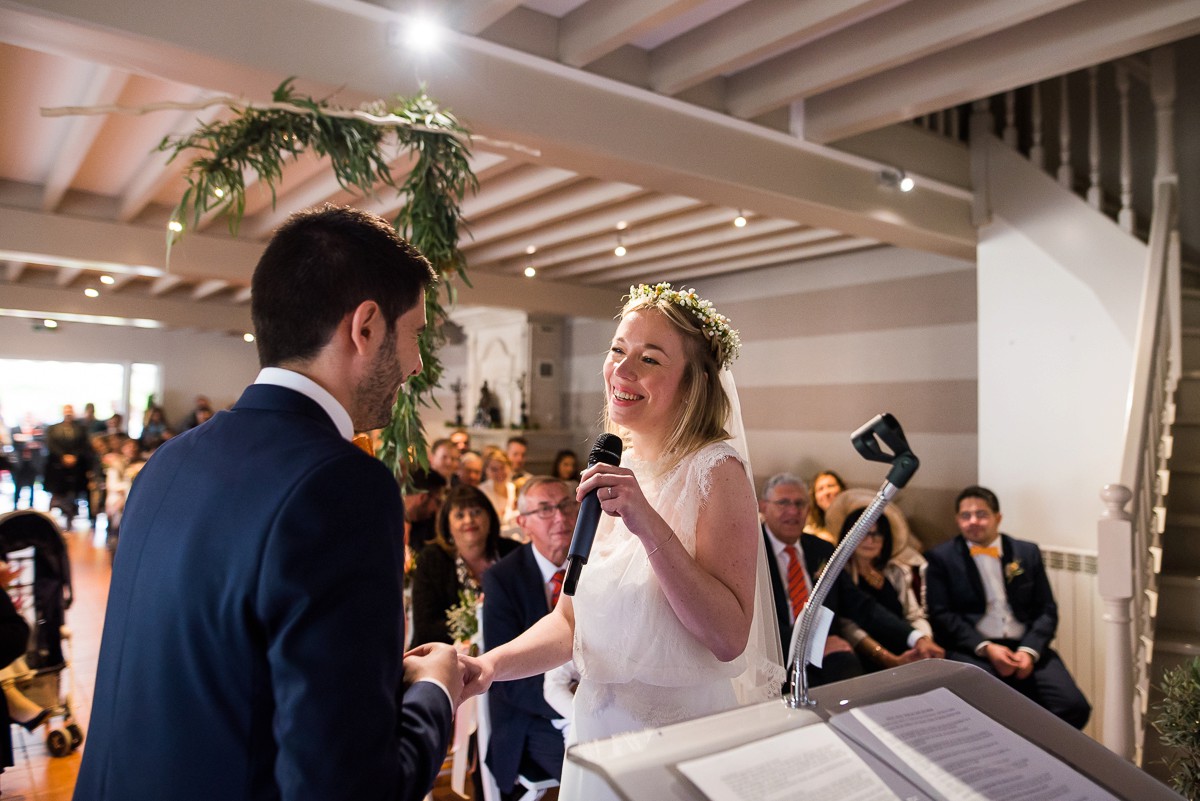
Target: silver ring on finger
(612,493)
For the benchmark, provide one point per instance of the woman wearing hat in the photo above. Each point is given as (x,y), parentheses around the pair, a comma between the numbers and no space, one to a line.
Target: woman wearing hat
(883,566)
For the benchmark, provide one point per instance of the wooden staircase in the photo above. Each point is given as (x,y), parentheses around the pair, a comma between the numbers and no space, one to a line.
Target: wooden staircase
(1177,629)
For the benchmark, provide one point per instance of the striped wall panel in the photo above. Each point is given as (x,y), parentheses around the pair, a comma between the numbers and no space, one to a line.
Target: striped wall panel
(827,345)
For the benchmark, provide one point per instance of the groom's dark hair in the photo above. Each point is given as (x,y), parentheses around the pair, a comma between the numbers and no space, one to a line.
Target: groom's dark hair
(319,266)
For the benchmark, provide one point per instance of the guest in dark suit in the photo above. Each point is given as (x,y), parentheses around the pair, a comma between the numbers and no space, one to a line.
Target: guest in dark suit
(69,449)
(519,591)
(253,644)
(796,560)
(990,603)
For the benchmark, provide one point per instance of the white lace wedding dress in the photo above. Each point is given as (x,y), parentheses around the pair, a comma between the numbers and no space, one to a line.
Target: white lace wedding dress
(640,668)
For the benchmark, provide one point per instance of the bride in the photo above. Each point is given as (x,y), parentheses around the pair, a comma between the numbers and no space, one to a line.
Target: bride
(661,621)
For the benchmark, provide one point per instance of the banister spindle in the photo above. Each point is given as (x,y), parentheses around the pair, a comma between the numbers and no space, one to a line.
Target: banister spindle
(1010,118)
(1093,191)
(1037,152)
(1162,89)
(1064,135)
(1125,215)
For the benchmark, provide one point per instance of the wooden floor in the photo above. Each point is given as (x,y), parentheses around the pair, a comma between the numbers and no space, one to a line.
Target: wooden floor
(37,776)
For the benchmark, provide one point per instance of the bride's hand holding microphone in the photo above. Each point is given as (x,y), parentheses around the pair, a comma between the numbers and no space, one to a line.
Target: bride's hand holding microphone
(621,496)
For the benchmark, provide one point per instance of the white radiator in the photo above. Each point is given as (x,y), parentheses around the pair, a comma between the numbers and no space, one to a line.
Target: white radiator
(1080,641)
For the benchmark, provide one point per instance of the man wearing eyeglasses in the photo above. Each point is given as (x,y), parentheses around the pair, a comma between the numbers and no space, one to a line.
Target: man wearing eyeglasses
(990,602)
(520,590)
(796,560)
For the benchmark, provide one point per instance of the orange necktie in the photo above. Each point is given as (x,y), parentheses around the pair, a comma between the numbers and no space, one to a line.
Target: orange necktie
(556,582)
(364,441)
(979,550)
(797,585)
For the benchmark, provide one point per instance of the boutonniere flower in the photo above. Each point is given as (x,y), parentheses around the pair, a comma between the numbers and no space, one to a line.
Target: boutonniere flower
(1012,570)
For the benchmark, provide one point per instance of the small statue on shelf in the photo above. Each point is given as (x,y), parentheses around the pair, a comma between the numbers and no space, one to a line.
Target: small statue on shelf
(458,386)
(487,414)
(524,407)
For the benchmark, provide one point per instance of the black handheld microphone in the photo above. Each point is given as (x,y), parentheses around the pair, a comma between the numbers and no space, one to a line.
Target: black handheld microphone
(607,450)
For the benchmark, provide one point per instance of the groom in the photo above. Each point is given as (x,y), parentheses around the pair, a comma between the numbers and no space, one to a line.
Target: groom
(253,642)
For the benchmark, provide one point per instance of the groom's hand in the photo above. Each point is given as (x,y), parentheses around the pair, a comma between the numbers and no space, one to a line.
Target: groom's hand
(438,661)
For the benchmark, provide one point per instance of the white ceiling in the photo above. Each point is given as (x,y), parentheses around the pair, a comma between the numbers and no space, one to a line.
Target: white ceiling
(667,115)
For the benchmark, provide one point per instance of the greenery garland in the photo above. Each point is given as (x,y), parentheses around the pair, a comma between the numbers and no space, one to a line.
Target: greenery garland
(260,140)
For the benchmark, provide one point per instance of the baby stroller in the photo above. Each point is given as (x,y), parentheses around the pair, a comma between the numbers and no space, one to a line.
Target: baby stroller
(32,542)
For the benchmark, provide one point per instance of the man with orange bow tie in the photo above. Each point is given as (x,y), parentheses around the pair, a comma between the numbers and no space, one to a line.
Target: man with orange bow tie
(991,606)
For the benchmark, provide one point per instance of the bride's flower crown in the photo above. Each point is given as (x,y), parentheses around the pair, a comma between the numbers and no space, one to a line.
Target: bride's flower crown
(714,324)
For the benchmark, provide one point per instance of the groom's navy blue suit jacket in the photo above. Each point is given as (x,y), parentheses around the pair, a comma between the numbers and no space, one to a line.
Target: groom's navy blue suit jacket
(255,627)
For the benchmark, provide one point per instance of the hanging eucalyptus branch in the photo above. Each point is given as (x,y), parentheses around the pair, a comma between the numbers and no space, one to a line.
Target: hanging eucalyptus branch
(261,140)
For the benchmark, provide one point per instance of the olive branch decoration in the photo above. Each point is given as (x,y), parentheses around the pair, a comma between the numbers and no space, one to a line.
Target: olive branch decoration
(260,140)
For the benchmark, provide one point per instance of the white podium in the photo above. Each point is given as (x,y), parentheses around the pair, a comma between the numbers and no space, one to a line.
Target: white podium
(642,766)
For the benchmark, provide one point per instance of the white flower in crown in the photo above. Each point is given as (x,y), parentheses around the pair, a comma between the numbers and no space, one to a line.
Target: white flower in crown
(714,324)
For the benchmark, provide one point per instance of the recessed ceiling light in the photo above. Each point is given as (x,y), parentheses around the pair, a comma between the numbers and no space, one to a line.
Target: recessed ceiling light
(531,249)
(92,292)
(619,250)
(248,337)
(739,221)
(50,323)
(530,272)
(176,226)
(108,280)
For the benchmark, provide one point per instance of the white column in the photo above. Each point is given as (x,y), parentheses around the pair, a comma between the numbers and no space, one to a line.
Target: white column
(1115,581)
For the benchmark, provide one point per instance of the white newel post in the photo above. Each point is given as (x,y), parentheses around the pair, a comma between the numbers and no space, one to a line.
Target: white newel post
(1115,582)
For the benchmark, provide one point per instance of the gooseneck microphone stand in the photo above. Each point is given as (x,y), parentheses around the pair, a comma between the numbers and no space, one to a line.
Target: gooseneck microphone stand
(904,463)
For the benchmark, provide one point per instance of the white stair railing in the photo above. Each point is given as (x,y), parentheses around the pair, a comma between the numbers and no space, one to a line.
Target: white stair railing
(1129,538)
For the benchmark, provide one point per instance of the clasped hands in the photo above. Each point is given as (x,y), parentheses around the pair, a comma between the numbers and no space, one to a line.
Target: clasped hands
(1007,662)
(463,676)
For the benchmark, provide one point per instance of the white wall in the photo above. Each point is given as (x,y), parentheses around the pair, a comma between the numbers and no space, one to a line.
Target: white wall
(1059,289)
(192,363)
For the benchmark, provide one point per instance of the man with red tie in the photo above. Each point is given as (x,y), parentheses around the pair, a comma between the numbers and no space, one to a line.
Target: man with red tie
(518,591)
(991,605)
(795,561)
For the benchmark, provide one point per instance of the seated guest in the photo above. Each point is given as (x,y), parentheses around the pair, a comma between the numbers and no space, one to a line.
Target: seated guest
(826,486)
(470,469)
(466,543)
(990,603)
(566,466)
(421,506)
(516,449)
(443,458)
(883,567)
(521,589)
(795,561)
(501,491)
